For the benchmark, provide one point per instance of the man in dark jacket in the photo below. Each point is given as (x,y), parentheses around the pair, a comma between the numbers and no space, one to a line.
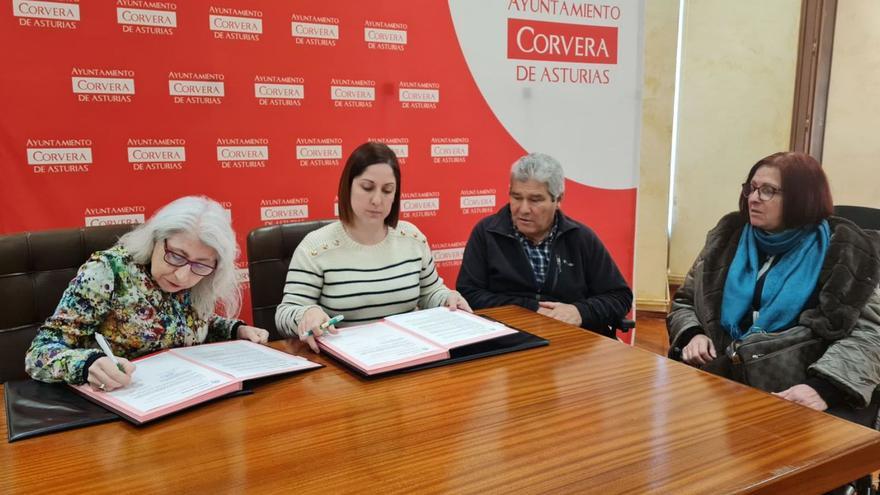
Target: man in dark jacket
(531,254)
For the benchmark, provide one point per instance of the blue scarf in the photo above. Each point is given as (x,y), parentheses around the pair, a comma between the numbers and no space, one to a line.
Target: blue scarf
(787,285)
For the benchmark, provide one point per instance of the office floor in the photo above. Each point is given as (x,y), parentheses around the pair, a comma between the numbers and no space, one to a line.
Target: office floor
(651,333)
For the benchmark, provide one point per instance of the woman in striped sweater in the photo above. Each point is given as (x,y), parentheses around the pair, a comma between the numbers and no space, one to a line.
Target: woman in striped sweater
(366,266)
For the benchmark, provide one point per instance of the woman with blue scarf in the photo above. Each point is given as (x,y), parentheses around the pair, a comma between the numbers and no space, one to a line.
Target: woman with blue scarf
(784,266)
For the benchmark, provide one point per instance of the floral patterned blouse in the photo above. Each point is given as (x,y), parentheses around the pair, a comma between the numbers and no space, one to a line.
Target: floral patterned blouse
(118,298)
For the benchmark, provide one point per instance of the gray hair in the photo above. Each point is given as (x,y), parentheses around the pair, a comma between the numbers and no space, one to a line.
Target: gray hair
(210,223)
(542,168)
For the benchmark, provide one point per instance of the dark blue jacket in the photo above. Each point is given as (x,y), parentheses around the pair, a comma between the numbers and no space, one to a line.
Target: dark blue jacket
(495,271)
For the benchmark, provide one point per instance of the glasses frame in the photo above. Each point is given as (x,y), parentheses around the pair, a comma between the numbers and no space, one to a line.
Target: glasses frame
(171,255)
(766,192)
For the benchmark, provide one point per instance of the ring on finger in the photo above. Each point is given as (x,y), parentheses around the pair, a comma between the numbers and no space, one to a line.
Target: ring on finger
(102,386)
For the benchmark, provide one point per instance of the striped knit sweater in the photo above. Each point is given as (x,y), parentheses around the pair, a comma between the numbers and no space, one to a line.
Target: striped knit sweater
(364,283)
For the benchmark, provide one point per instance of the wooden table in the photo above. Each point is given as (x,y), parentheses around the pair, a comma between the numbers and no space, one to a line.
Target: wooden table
(585,414)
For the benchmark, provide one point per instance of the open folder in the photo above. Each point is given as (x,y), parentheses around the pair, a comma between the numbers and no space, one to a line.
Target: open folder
(174,379)
(421,339)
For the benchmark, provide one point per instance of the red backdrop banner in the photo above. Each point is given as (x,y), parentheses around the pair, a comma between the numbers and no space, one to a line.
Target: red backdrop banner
(112,109)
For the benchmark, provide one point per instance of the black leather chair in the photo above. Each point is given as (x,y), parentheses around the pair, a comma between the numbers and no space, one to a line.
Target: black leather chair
(269,252)
(863,216)
(35,268)
(867,218)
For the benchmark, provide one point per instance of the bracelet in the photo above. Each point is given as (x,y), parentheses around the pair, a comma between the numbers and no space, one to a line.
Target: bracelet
(233,332)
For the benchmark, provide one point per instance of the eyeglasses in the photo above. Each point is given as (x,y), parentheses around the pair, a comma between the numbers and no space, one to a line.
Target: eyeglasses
(178,260)
(765,192)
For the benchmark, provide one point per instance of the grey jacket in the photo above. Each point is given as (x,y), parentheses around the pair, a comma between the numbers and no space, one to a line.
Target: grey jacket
(844,311)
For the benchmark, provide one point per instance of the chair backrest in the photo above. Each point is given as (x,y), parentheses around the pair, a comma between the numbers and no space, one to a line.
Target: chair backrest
(863,216)
(35,268)
(867,218)
(269,252)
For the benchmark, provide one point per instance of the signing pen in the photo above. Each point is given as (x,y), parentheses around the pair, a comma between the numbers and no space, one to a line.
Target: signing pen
(332,321)
(102,343)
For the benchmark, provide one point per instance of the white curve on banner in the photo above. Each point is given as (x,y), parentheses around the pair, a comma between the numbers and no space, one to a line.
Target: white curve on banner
(591,127)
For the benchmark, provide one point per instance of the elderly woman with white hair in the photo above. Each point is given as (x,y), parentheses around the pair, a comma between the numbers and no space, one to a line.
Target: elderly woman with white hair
(158,287)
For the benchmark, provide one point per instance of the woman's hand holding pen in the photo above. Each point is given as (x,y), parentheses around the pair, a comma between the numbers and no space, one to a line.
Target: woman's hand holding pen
(105,375)
(310,327)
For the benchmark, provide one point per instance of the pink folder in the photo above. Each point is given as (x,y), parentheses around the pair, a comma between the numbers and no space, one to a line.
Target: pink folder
(175,379)
(430,350)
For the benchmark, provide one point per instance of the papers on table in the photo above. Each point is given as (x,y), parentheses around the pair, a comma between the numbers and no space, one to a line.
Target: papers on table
(244,360)
(174,379)
(409,339)
(378,345)
(449,328)
(167,379)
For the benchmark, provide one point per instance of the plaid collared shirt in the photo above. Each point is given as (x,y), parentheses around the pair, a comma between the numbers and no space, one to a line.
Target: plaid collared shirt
(538,255)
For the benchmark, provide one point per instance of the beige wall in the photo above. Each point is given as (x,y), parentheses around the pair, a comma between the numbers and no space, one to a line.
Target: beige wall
(737,86)
(851,148)
(661,31)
